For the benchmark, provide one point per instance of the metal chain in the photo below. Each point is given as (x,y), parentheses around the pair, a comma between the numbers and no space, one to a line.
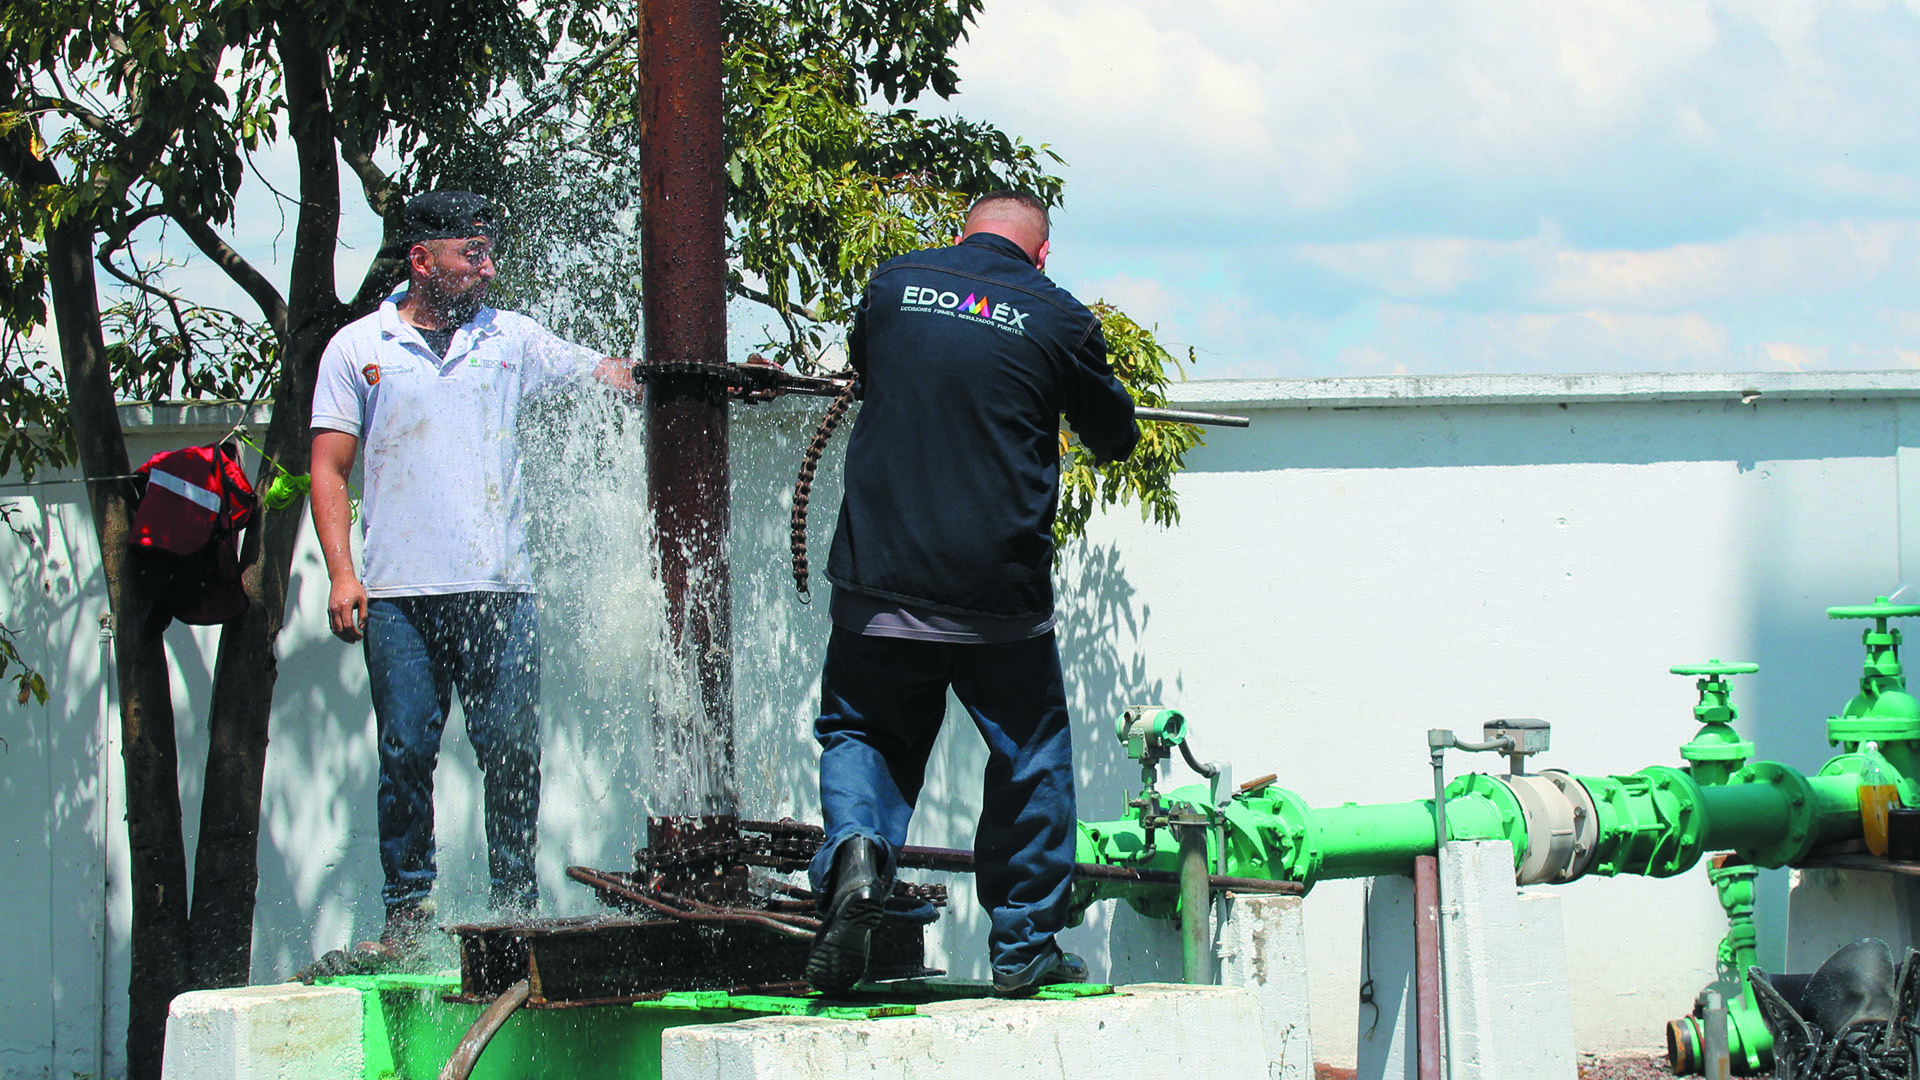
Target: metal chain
(803,487)
(1856,1054)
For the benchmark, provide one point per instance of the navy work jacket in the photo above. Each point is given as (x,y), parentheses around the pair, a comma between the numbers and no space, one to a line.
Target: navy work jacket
(968,356)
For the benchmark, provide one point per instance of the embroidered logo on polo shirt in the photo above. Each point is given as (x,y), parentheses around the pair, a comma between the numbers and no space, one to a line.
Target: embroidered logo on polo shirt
(372,374)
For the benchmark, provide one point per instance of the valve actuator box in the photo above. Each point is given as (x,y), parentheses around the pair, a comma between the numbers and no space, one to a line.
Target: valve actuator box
(1530,736)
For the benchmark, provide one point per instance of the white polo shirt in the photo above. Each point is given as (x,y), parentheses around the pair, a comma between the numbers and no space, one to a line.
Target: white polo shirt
(443,511)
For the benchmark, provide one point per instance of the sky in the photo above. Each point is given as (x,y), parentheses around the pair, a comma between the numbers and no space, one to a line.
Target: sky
(1437,186)
(1441,186)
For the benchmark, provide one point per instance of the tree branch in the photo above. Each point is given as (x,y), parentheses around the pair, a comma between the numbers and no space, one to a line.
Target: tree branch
(86,117)
(583,70)
(117,234)
(151,137)
(105,258)
(316,231)
(785,311)
(382,275)
(378,188)
(243,273)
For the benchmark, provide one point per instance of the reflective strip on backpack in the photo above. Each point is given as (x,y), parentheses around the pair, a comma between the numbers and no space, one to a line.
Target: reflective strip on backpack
(194,493)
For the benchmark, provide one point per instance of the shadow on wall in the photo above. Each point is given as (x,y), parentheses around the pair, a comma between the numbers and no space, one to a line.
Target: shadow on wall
(1809,664)
(1101,620)
(57,775)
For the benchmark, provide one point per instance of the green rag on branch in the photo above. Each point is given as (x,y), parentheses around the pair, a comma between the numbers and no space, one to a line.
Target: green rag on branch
(286,490)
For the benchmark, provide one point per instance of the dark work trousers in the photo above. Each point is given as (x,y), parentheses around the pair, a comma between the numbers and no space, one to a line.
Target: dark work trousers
(419,650)
(881,703)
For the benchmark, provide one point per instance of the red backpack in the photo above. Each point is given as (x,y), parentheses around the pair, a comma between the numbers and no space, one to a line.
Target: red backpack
(193,505)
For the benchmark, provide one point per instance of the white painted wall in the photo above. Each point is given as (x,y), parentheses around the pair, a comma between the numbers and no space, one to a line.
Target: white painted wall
(1372,558)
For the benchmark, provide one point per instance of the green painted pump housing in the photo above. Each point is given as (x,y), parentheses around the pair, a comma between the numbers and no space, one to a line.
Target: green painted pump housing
(1659,821)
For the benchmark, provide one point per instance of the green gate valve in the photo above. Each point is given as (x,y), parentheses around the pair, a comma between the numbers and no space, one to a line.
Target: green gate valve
(1883,711)
(1716,751)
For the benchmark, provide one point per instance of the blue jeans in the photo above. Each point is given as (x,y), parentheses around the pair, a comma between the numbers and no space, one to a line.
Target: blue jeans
(419,650)
(881,704)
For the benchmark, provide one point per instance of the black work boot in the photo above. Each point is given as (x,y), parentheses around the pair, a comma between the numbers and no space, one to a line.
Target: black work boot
(1051,969)
(401,944)
(856,898)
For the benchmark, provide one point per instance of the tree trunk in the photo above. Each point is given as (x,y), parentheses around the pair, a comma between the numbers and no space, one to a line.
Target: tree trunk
(226,859)
(158,867)
(226,874)
(226,870)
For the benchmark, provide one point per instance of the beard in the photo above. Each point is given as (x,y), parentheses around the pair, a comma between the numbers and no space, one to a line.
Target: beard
(457,309)
(461,309)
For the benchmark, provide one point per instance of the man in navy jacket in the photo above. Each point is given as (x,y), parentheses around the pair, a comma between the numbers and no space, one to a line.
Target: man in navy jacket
(968,357)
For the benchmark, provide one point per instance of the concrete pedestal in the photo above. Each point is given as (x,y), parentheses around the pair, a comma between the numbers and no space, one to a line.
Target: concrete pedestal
(280,1032)
(1145,1032)
(1262,946)
(1509,1011)
(1388,1037)
(1141,950)
(1830,908)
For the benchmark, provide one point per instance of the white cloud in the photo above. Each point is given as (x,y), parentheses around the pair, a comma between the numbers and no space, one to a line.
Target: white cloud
(1790,356)
(1306,99)
(1426,266)
(1802,260)
(1807,295)
(1424,339)
(1147,300)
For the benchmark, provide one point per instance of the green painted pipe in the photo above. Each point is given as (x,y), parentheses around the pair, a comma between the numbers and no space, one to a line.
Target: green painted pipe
(1196,903)
(1657,822)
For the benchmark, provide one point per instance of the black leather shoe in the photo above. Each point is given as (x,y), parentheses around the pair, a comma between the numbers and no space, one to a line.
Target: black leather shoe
(859,894)
(1050,970)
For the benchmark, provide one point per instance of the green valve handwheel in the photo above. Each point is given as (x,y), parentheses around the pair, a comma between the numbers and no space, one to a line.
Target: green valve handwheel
(1879,609)
(1717,667)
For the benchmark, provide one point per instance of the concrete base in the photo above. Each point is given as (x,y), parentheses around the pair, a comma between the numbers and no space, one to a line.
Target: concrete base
(1830,908)
(1147,1032)
(280,1032)
(1262,946)
(1388,1042)
(1509,1010)
(1142,950)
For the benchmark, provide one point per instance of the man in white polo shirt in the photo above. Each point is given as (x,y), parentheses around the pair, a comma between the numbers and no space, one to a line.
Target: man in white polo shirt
(431,384)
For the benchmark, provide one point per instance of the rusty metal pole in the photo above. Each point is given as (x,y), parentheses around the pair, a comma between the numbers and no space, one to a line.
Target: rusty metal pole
(683,269)
(1426,967)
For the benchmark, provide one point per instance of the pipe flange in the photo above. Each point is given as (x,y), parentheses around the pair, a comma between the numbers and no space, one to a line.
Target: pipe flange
(1798,837)
(1513,817)
(1678,797)
(1303,854)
